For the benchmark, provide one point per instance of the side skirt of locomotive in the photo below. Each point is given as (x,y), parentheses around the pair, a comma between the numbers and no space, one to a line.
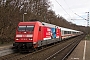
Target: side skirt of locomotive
(47,42)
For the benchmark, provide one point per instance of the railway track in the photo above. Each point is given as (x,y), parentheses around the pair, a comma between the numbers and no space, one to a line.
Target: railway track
(5,51)
(48,53)
(63,53)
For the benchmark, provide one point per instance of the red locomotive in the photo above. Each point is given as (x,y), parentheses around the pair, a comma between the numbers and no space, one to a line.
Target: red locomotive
(36,34)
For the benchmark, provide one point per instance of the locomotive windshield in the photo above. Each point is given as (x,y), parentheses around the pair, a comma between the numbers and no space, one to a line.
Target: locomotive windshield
(25,28)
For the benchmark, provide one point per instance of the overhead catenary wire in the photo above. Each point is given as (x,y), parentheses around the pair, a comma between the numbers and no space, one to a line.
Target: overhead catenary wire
(62,7)
(80,16)
(74,12)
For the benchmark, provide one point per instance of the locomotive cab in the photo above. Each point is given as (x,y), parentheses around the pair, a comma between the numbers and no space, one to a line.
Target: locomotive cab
(26,35)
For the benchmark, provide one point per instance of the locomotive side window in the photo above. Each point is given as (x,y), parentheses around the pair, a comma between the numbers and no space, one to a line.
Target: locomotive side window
(40,28)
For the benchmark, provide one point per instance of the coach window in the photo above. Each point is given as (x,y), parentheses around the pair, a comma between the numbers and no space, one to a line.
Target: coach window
(69,32)
(65,32)
(40,28)
(74,32)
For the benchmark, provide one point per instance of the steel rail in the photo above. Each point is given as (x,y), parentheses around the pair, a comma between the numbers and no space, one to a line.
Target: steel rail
(50,57)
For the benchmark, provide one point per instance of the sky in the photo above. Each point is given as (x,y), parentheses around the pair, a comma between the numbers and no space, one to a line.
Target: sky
(72,9)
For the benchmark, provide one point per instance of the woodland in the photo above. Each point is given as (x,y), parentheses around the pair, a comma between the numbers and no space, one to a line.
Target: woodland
(11,13)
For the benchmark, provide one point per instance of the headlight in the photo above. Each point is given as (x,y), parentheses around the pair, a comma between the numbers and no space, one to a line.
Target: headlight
(30,38)
(17,39)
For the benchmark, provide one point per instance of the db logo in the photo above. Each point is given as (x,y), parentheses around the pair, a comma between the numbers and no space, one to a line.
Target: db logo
(24,35)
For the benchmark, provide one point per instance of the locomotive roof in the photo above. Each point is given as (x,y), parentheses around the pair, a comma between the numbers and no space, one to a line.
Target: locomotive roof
(49,25)
(29,23)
